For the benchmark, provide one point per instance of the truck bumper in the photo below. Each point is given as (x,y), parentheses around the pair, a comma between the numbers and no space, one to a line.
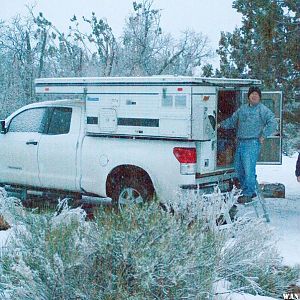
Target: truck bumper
(225,180)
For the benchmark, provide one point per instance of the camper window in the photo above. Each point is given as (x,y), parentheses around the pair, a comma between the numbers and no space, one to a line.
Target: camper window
(167,101)
(180,101)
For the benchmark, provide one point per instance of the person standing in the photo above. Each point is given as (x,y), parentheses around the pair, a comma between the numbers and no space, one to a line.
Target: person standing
(297,172)
(253,122)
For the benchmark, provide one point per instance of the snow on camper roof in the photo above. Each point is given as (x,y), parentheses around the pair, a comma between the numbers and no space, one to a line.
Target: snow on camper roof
(151,80)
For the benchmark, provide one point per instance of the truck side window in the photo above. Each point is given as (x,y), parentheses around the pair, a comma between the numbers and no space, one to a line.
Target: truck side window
(30,120)
(60,121)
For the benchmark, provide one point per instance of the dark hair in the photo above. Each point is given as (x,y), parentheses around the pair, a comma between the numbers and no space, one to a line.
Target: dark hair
(254,89)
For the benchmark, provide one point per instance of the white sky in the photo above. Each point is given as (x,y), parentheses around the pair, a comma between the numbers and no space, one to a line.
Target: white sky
(207,16)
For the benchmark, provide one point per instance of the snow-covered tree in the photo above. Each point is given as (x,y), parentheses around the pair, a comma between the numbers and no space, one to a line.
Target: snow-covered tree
(146,50)
(266,46)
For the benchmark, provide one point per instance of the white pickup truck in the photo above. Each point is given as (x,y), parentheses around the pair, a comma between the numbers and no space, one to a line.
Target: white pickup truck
(127,138)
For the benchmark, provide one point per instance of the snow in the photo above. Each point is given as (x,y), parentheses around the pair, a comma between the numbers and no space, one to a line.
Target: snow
(284,213)
(3,238)
(223,288)
(284,173)
(236,296)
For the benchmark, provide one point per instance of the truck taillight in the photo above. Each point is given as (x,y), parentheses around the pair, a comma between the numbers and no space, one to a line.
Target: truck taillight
(187,158)
(185,155)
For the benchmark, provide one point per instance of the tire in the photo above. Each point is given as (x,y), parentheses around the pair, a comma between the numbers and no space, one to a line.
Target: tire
(131,191)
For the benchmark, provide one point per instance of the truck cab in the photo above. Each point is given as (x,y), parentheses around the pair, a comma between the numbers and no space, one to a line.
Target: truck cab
(40,145)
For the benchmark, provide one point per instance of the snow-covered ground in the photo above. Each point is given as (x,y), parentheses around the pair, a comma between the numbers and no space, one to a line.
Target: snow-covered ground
(284,215)
(284,173)
(3,237)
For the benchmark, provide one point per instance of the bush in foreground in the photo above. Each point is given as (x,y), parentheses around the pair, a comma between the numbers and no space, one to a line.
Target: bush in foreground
(138,253)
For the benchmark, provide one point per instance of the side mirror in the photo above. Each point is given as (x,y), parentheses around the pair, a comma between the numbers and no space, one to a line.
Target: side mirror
(3,128)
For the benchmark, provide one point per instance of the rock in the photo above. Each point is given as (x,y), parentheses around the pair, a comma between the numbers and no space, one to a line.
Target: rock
(294,291)
(272,190)
(3,224)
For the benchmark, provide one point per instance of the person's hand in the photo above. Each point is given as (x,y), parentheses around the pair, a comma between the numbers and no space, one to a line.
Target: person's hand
(261,139)
(298,178)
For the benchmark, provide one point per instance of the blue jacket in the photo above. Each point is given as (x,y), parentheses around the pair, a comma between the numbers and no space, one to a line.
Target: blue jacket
(297,172)
(252,121)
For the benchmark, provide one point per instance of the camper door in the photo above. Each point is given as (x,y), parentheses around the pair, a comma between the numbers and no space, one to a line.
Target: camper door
(271,150)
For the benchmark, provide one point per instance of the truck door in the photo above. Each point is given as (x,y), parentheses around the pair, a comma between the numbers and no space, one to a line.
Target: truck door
(19,148)
(271,151)
(58,148)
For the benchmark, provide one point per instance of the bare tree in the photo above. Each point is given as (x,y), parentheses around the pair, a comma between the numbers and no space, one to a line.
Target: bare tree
(101,41)
(142,39)
(191,51)
(16,41)
(147,51)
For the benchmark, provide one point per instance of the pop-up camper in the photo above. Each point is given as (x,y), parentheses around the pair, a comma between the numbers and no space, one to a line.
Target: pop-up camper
(166,108)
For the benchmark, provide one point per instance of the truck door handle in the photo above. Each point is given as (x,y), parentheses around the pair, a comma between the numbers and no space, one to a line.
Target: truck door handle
(31,143)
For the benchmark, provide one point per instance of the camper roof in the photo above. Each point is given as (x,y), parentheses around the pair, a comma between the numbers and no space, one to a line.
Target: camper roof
(151,80)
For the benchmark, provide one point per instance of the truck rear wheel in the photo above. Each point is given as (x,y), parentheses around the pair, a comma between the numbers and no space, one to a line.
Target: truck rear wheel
(132,191)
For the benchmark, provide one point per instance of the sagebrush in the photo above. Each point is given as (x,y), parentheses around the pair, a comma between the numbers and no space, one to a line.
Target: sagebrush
(137,253)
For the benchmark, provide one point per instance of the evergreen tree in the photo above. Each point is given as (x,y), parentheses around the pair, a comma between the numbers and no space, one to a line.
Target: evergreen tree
(266,46)
(207,70)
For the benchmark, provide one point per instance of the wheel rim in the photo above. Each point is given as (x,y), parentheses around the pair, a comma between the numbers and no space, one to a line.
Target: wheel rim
(130,196)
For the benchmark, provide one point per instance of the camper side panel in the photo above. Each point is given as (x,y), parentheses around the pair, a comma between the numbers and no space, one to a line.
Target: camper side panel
(158,111)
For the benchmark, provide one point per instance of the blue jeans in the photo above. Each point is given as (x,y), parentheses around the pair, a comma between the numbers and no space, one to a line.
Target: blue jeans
(246,156)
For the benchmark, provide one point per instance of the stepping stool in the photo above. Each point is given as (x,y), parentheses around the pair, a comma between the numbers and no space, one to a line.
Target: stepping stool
(259,201)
